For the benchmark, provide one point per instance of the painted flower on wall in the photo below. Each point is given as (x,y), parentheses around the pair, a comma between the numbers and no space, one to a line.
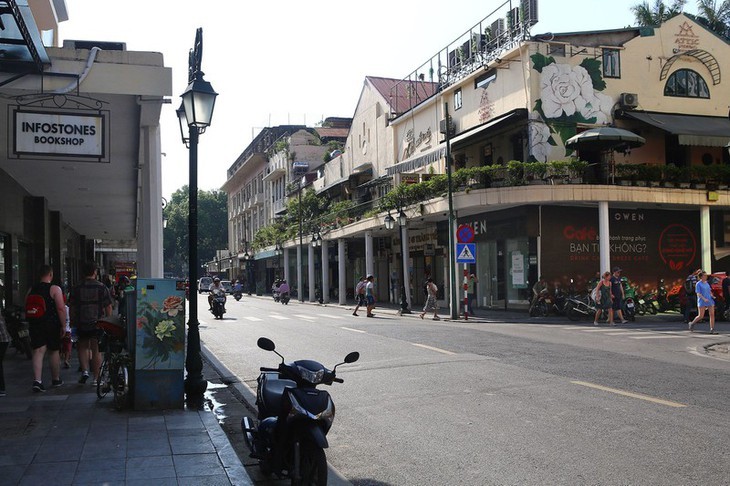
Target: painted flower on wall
(158,331)
(172,305)
(541,139)
(568,95)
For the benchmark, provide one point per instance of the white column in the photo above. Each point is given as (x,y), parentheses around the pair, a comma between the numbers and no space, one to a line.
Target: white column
(405,250)
(300,266)
(342,271)
(286,266)
(310,268)
(325,271)
(369,263)
(604,235)
(705,239)
(149,239)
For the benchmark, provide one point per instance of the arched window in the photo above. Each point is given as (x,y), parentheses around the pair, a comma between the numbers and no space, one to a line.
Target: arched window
(686,84)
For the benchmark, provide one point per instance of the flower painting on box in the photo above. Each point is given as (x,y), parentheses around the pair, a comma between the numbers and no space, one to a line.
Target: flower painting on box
(160,330)
(568,95)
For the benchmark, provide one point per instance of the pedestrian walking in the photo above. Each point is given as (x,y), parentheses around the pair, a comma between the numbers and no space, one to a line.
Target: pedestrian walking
(45,310)
(471,292)
(690,285)
(705,303)
(617,291)
(360,295)
(431,303)
(604,302)
(89,301)
(370,295)
(4,343)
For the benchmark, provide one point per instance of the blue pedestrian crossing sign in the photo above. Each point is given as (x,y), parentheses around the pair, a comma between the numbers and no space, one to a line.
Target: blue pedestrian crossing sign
(466,253)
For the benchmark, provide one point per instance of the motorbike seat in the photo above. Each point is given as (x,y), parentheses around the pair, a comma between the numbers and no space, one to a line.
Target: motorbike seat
(272,392)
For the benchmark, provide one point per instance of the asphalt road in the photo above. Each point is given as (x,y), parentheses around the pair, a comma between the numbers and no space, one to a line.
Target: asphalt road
(501,402)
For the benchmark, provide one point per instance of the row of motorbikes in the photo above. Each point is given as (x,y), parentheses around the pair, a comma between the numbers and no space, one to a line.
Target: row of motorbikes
(577,306)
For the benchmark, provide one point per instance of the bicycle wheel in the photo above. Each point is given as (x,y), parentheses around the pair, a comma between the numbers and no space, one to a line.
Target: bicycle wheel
(102,384)
(120,384)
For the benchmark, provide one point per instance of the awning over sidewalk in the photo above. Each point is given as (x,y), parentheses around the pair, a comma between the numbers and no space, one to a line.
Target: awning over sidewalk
(706,131)
(483,131)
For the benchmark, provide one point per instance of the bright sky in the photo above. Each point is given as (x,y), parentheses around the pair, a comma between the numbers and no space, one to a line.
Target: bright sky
(281,62)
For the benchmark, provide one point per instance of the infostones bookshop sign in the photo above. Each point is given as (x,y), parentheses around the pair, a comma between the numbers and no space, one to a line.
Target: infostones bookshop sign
(59,134)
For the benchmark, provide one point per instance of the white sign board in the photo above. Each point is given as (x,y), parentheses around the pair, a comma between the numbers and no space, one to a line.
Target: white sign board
(44,133)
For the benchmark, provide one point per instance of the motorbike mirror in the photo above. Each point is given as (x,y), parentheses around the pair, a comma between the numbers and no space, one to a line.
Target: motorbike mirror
(266,344)
(352,357)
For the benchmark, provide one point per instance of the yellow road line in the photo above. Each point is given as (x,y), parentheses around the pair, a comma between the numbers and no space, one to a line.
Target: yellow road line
(438,350)
(630,394)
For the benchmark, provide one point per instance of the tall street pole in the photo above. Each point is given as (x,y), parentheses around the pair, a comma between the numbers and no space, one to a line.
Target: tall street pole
(300,255)
(452,243)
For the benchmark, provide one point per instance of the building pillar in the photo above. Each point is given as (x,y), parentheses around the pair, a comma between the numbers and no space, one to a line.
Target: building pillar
(310,268)
(369,262)
(705,239)
(149,239)
(325,271)
(300,266)
(405,250)
(604,237)
(286,265)
(342,271)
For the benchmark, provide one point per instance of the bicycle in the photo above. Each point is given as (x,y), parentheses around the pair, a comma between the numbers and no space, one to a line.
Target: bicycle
(114,371)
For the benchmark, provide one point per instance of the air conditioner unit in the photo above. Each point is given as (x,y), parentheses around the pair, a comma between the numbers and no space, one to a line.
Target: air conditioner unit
(452,127)
(529,11)
(497,28)
(629,100)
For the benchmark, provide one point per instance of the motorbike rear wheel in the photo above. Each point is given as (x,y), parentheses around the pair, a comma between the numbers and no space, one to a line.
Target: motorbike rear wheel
(312,466)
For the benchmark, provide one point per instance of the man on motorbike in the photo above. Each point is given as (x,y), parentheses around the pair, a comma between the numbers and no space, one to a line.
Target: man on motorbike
(238,287)
(283,288)
(216,289)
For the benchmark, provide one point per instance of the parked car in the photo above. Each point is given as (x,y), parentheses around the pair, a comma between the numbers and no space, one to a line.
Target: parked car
(227,286)
(204,284)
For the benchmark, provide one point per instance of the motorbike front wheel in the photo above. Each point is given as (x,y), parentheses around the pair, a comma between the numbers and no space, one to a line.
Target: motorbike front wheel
(574,314)
(312,466)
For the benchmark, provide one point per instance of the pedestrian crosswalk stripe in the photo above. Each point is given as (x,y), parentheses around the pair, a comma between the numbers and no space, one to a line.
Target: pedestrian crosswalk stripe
(281,318)
(251,318)
(626,333)
(302,316)
(330,316)
(657,336)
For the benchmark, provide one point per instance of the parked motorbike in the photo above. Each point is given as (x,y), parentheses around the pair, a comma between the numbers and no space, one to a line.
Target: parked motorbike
(284,298)
(219,305)
(629,304)
(19,330)
(542,306)
(560,298)
(293,418)
(580,307)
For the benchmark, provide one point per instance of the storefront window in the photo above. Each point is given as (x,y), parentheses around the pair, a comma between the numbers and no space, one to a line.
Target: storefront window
(516,261)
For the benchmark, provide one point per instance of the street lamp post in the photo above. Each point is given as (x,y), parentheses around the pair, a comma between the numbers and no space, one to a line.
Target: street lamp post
(196,112)
(390,224)
(317,243)
(454,305)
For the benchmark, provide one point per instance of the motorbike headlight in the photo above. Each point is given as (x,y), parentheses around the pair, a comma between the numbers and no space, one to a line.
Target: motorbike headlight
(327,415)
(313,377)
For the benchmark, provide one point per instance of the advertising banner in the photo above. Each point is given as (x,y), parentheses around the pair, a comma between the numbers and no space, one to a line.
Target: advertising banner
(647,244)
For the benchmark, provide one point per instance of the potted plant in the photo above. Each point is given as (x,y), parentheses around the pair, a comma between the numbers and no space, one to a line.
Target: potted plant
(515,173)
(671,175)
(534,172)
(558,171)
(626,174)
(576,169)
(698,175)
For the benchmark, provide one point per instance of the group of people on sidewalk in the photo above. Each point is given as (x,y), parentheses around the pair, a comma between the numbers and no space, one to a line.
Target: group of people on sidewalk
(51,320)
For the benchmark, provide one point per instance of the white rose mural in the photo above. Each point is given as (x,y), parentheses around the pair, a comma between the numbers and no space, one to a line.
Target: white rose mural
(568,95)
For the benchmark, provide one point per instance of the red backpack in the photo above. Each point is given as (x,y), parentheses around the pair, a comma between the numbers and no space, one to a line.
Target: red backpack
(35,307)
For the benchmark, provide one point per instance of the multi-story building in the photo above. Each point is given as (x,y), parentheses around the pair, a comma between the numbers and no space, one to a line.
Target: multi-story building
(80,151)
(259,182)
(511,96)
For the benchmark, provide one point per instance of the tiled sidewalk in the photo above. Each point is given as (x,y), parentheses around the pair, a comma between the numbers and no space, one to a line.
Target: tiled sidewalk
(66,436)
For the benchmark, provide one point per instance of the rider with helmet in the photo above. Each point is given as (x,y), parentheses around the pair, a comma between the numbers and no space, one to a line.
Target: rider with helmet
(215,289)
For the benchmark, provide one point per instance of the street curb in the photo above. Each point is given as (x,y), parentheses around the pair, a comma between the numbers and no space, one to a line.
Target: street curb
(247,396)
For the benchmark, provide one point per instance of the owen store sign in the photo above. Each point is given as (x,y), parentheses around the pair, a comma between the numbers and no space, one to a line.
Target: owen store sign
(58,134)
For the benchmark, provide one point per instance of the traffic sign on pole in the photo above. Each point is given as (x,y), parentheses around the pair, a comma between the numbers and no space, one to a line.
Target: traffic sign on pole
(464,234)
(466,253)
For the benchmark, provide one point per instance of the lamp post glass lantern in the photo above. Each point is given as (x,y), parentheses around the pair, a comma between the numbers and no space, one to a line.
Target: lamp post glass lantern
(195,112)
